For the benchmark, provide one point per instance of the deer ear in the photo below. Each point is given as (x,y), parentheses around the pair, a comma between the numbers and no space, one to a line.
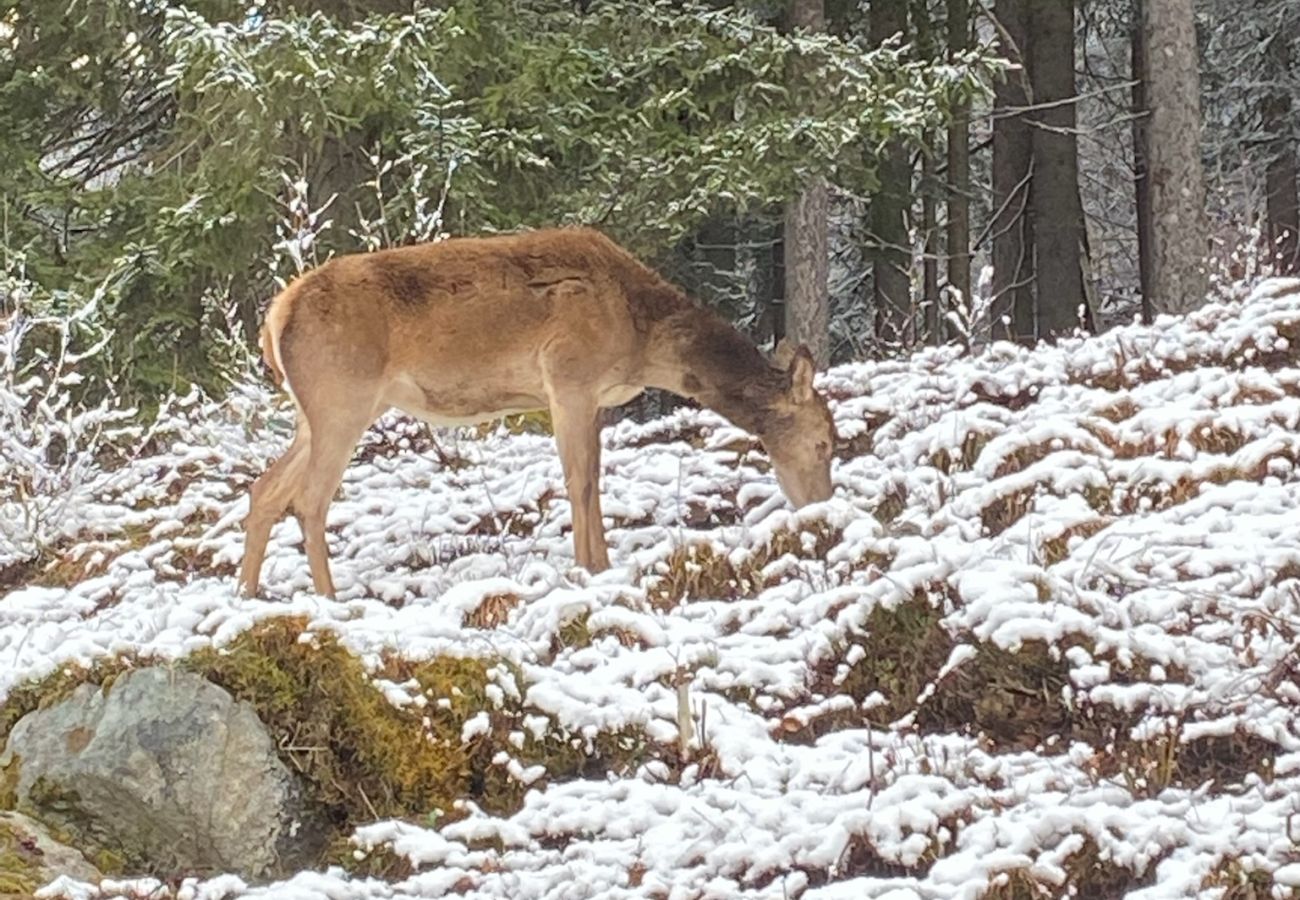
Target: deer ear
(784,353)
(801,375)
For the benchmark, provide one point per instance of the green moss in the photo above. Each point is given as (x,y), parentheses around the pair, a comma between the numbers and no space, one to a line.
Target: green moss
(40,693)
(363,758)
(20,870)
(574,633)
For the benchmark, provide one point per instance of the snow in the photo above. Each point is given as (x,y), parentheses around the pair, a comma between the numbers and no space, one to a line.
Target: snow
(1168,493)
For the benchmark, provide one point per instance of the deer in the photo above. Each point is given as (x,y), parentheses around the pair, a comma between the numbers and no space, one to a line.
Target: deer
(469,329)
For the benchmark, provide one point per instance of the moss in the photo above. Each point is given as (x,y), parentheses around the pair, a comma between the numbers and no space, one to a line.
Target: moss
(40,693)
(20,864)
(378,862)
(363,757)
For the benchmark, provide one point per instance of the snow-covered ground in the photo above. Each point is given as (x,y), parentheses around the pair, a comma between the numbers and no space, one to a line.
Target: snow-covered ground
(1130,501)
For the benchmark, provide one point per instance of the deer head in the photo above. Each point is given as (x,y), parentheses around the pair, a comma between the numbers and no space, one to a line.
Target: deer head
(799,436)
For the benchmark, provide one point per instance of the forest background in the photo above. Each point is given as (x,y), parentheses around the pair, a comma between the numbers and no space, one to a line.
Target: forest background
(864,177)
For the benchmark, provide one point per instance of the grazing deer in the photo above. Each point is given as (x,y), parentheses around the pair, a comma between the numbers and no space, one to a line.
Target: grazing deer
(470,329)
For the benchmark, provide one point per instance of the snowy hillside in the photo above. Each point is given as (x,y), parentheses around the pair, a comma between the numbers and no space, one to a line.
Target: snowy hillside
(1044,641)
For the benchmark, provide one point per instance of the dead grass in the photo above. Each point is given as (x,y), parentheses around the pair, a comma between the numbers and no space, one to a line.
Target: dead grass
(1239,880)
(1088,876)
(966,455)
(699,571)
(492,611)
(1007,509)
(1056,549)
(1149,767)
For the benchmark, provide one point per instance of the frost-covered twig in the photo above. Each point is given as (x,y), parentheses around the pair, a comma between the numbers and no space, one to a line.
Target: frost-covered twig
(53,449)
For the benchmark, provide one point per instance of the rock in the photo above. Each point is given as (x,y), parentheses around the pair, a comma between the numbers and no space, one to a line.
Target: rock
(166,772)
(30,857)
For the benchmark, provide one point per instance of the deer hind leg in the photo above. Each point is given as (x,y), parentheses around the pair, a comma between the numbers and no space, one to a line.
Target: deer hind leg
(577,437)
(332,442)
(269,498)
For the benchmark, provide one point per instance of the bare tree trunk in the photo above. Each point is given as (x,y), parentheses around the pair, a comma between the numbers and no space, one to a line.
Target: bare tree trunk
(958,238)
(1179,228)
(931,319)
(807,304)
(891,280)
(1141,168)
(1054,188)
(1280,180)
(1013,234)
(807,294)
(1284,211)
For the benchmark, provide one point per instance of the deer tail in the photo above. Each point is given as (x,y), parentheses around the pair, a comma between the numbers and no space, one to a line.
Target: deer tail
(272,329)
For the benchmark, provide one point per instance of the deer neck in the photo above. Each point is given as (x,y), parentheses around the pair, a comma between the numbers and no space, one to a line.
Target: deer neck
(697,354)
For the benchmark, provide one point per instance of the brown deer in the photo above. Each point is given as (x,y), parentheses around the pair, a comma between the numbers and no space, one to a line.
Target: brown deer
(470,329)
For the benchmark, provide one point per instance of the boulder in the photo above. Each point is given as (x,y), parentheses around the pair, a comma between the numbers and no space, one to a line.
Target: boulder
(30,858)
(166,772)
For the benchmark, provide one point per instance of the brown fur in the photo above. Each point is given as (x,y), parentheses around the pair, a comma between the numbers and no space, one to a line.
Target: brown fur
(468,329)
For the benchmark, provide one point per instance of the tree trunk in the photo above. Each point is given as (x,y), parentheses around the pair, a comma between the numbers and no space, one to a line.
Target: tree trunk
(807,294)
(1179,229)
(891,255)
(931,319)
(1141,173)
(1013,234)
(1283,208)
(1280,179)
(930,264)
(1054,189)
(807,304)
(958,238)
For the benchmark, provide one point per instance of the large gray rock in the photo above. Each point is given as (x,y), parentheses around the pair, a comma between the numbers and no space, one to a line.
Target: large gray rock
(166,771)
(30,857)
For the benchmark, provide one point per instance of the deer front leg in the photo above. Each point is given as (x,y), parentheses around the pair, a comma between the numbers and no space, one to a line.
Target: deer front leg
(577,437)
